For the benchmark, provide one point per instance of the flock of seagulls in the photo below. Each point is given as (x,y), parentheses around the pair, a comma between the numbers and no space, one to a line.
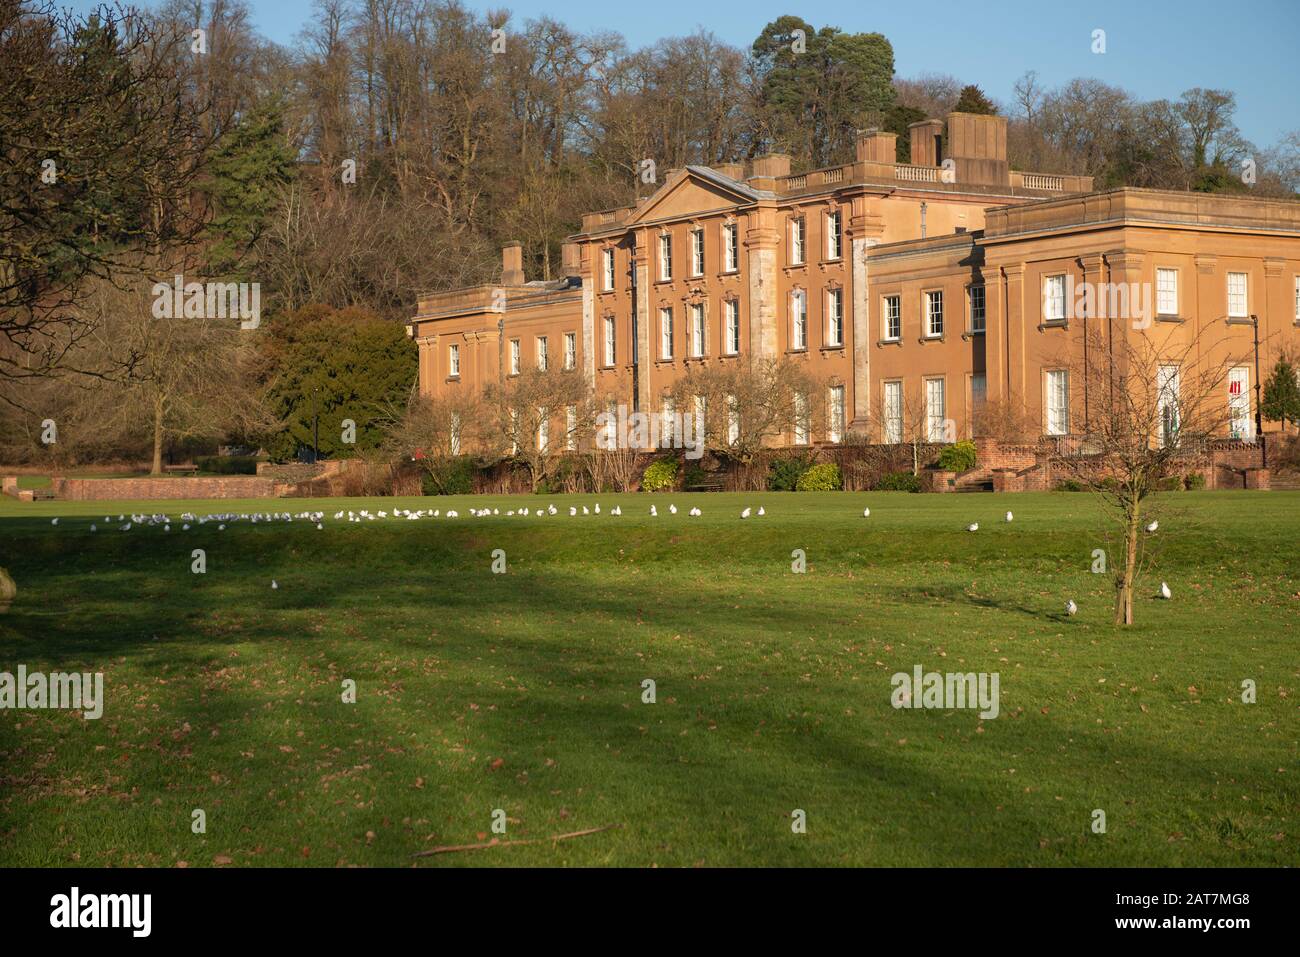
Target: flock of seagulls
(189,520)
(221,519)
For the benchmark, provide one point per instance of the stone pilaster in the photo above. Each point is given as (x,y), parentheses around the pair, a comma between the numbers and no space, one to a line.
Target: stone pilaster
(865,229)
(641,341)
(761,241)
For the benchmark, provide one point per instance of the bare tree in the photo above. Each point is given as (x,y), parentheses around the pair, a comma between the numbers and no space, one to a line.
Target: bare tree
(1156,399)
(174,378)
(752,403)
(538,416)
(104,143)
(436,431)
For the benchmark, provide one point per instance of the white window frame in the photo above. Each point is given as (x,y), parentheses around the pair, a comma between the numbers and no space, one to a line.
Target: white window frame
(543,354)
(667,422)
(891,314)
(802,429)
(611,333)
(698,324)
(1056,402)
(730,247)
(933,299)
(1238,300)
(570,350)
(1241,422)
(611,424)
(665,257)
(834,235)
(453,360)
(733,420)
(514,357)
(835,429)
(1297,298)
(665,333)
(570,427)
(455,434)
(798,320)
(609,269)
(979,397)
(1166,291)
(697,252)
(892,411)
(935,418)
(835,317)
(731,312)
(798,241)
(543,429)
(977,308)
(1054,298)
(1167,391)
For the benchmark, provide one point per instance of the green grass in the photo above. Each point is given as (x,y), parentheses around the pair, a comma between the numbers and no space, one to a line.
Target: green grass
(522,691)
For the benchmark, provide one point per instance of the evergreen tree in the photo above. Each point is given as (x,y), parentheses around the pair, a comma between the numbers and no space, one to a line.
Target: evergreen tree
(897,121)
(819,87)
(344,364)
(253,161)
(973,100)
(1281,401)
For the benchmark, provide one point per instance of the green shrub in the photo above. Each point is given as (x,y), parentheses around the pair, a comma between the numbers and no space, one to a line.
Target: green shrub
(820,478)
(1170,483)
(1069,485)
(659,476)
(452,476)
(1194,481)
(783,473)
(958,457)
(899,482)
(227,464)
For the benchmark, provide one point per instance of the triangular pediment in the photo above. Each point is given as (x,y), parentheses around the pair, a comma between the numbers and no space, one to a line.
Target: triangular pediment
(696,190)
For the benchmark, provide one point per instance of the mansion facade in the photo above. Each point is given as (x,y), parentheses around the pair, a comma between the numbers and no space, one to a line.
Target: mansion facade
(924,290)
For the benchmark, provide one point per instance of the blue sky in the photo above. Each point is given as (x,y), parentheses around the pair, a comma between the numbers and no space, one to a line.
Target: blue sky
(1154,48)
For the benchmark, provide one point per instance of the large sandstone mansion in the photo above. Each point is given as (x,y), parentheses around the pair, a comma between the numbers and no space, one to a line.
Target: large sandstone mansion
(943,283)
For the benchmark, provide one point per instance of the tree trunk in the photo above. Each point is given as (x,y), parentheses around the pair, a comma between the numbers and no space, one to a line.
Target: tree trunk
(1124,591)
(157,438)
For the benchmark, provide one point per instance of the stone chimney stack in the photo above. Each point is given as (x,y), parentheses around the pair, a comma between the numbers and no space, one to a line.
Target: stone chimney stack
(571,258)
(876,146)
(978,147)
(512,264)
(772,165)
(926,136)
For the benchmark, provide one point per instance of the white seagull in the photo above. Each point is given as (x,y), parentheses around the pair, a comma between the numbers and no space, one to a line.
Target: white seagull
(745,513)
(973,527)
(673,509)
(1009,516)
(1164,591)
(866,513)
(760,511)
(1071,607)
(274,584)
(1153,526)
(653,512)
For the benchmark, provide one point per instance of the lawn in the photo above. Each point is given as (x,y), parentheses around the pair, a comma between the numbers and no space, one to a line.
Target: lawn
(523,691)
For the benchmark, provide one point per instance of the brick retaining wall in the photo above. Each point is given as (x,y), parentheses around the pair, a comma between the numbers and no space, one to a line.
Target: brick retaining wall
(226,486)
